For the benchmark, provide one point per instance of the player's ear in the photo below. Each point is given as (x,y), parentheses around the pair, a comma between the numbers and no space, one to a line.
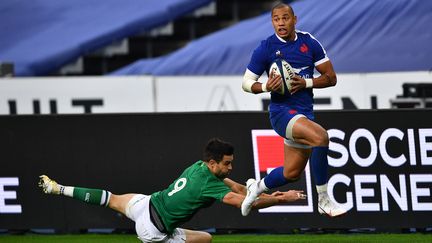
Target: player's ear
(212,162)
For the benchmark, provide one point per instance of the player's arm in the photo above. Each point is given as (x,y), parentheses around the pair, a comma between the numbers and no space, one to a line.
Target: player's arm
(236,199)
(328,75)
(250,83)
(264,200)
(326,79)
(235,187)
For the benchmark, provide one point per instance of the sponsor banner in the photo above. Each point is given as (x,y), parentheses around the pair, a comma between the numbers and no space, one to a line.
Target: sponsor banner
(54,95)
(380,167)
(6,195)
(401,161)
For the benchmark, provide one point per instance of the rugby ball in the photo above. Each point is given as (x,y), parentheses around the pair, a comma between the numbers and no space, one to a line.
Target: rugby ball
(282,68)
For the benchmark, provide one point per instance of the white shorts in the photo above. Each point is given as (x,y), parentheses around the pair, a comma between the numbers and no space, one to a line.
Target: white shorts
(290,140)
(137,210)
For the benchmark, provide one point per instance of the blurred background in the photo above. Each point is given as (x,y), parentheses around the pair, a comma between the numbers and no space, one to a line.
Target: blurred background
(91,84)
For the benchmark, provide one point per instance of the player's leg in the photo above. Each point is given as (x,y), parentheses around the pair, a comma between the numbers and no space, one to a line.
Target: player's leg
(120,202)
(312,134)
(87,195)
(193,236)
(295,160)
(188,236)
(283,123)
(134,206)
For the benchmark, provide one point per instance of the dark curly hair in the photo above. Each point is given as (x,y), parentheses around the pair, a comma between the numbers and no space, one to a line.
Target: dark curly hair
(216,149)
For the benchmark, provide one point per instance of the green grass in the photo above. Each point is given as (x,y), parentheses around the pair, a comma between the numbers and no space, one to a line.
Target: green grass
(321,238)
(324,238)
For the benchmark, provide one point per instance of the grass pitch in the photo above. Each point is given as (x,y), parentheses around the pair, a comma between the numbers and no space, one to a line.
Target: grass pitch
(297,238)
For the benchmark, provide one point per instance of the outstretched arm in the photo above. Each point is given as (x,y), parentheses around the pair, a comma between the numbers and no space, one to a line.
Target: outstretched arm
(235,187)
(264,200)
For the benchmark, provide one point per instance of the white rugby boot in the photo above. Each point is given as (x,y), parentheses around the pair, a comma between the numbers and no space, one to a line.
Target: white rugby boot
(48,186)
(328,207)
(251,195)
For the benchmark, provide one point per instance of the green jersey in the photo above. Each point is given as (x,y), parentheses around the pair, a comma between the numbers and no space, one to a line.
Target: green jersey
(196,188)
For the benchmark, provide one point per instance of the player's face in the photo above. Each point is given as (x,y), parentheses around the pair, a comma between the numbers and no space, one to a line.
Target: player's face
(284,22)
(224,167)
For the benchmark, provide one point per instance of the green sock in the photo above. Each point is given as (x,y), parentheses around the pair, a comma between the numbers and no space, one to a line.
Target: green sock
(92,196)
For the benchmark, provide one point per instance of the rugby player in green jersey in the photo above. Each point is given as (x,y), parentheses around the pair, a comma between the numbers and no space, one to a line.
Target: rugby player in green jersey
(158,216)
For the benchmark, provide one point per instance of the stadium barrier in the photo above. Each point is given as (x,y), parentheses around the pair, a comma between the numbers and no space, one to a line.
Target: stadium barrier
(137,94)
(380,167)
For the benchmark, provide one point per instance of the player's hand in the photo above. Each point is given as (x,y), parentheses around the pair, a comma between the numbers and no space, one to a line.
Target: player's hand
(297,83)
(290,196)
(274,83)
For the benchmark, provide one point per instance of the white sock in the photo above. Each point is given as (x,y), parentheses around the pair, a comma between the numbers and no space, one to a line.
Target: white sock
(322,190)
(261,186)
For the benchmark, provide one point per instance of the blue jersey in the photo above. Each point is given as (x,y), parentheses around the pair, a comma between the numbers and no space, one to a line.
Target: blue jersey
(303,54)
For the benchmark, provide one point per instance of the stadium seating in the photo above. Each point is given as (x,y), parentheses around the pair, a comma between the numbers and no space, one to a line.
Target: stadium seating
(176,34)
(44,37)
(359,36)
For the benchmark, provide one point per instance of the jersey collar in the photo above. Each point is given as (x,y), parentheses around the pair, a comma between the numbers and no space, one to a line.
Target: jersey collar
(284,41)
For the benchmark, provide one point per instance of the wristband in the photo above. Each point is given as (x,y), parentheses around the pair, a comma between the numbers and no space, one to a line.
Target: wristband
(264,87)
(309,82)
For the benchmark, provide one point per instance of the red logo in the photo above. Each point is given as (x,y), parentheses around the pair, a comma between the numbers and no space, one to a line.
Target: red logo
(268,148)
(270,151)
(304,48)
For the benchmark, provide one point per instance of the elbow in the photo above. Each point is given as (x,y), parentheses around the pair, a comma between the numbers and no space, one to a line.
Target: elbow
(249,80)
(332,79)
(247,85)
(245,88)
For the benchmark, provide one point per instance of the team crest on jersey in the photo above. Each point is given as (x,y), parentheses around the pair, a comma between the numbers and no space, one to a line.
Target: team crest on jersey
(304,48)
(278,53)
(268,149)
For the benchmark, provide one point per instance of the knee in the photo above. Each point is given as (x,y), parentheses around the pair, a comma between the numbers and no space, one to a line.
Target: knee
(206,237)
(193,236)
(114,202)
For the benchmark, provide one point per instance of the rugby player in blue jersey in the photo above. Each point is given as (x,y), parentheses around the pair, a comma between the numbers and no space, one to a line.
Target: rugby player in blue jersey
(291,112)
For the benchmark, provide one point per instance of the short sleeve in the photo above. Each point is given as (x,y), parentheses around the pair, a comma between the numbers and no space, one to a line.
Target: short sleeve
(319,53)
(216,189)
(257,63)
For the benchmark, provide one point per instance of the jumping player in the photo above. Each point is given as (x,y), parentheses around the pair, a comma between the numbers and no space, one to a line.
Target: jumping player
(291,113)
(158,216)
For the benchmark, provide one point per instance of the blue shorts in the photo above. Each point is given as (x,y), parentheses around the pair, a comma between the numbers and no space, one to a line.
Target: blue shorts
(281,115)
